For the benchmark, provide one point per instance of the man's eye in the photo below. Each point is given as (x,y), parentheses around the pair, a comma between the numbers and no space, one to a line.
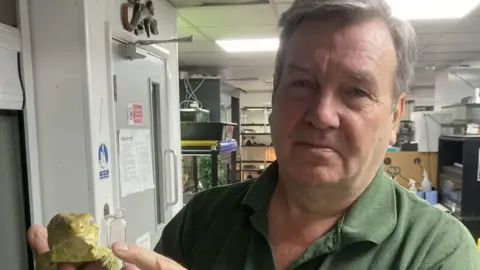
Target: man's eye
(357,92)
(302,83)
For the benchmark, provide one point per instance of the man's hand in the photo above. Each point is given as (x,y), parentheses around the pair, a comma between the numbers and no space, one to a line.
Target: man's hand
(143,259)
(137,257)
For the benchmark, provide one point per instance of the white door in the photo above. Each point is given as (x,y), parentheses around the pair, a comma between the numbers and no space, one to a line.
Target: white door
(144,81)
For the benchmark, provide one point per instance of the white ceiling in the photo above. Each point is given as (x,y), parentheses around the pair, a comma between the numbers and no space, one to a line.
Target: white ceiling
(441,42)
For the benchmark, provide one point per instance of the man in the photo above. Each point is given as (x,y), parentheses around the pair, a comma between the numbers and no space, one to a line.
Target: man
(341,76)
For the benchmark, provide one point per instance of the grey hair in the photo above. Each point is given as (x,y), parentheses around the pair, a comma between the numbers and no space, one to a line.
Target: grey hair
(402,32)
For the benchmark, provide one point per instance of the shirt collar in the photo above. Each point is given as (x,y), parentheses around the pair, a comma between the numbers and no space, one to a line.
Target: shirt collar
(372,217)
(259,194)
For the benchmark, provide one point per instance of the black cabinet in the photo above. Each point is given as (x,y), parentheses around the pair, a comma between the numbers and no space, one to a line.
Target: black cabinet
(459,179)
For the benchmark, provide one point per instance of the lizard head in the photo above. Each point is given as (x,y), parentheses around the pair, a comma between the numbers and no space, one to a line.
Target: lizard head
(72,235)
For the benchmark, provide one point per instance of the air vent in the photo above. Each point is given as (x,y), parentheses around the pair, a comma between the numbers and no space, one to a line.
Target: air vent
(210,3)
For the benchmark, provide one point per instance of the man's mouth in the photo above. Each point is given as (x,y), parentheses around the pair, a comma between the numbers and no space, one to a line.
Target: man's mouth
(317,146)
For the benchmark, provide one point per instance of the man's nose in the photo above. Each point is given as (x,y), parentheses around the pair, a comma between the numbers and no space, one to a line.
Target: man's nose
(323,111)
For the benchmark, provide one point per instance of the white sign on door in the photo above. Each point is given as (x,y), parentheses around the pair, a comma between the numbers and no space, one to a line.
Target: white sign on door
(135,156)
(135,113)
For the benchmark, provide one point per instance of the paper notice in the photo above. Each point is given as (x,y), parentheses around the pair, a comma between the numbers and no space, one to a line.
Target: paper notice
(135,158)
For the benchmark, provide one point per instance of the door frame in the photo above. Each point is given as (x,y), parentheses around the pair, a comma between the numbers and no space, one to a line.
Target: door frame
(29,115)
(120,35)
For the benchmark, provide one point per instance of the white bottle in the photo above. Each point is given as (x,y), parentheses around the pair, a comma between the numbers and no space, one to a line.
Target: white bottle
(426,184)
(412,185)
(117,228)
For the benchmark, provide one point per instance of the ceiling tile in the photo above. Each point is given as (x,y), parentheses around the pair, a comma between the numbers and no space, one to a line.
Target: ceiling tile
(252,59)
(467,25)
(425,39)
(461,47)
(455,38)
(262,31)
(203,59)
(198,47)
(445,56)
(245,15)
(239,72)
(438,63)
(423,75)
(192,32)
(433,26)
(252,85)
(475,12)
(181,23)
(228,59)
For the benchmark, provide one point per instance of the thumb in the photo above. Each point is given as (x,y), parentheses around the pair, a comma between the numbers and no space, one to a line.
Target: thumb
(145,259)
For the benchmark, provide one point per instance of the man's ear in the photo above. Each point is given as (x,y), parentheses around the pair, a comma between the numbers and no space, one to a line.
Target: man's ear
(397,115)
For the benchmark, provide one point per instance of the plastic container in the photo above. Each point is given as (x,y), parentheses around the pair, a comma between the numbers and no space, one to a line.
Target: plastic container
(117,228)
(426,184)
(431,197)
(412,185)
(421,194)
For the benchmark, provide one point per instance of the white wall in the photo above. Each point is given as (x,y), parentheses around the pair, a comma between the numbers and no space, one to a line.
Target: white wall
(422,96)
(73,98)
(60,106)
(449,89)
(253,98)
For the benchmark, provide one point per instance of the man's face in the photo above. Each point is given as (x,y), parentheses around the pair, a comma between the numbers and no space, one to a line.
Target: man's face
(333,113)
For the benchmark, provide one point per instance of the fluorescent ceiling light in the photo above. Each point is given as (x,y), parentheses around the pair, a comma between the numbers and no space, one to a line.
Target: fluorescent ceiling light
(249,45)
(431,9)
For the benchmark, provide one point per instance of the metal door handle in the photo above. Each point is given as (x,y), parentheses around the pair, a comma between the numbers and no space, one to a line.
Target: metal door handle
(175,178)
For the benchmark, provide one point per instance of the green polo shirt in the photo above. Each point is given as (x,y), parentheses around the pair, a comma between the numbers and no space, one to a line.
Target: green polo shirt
(388,227)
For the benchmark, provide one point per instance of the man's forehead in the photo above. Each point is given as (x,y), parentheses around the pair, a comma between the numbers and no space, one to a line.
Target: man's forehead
(363,34)
(322,45)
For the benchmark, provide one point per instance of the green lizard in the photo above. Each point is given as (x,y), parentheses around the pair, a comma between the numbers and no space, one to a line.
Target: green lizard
(73,238)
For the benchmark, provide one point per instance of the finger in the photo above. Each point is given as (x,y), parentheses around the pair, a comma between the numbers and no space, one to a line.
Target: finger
(91,266)
(143,258)
(66,266)
(37,237)
(130,267)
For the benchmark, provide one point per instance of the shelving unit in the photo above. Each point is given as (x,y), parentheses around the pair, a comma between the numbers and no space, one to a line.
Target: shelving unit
(256,146)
